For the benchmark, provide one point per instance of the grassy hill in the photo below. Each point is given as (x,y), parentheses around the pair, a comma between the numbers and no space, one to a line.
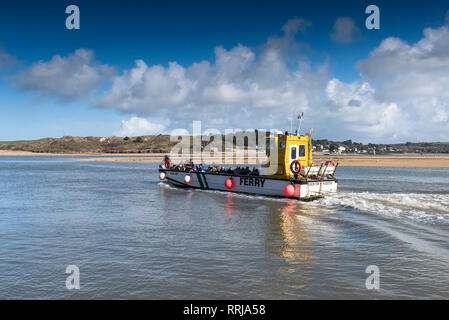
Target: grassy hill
(69,144)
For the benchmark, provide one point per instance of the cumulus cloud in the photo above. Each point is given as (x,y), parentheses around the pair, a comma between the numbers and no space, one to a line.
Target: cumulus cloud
(416,77)
(253,87)
(402,92)
(76,76)
(243,87)
(345,30)
(409,71)
(136,126)
(354,105)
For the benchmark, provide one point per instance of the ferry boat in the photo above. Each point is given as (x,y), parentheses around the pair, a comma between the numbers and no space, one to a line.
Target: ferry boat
(290,172)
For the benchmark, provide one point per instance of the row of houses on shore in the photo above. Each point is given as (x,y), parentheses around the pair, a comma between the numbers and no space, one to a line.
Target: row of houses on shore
(354,149)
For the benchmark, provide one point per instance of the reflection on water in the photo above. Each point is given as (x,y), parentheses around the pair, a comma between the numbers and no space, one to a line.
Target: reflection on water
(297,240)
(228,203)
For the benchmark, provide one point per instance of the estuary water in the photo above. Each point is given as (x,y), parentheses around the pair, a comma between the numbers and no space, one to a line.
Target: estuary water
(133,237)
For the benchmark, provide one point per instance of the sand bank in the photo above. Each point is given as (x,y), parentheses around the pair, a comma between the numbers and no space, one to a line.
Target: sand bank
(345,161)
(391,161)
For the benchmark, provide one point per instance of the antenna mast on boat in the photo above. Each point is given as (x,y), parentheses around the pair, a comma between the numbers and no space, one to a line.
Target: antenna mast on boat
(300,116)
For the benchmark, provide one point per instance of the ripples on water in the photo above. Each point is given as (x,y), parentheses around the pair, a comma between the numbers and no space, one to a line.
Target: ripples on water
(134,237)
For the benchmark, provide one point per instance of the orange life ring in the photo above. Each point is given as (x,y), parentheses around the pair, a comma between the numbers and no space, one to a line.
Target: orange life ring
(298,167)
(167,164)
(332,162)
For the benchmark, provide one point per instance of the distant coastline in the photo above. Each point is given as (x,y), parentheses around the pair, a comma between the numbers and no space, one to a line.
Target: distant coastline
(160,144)
(153,148)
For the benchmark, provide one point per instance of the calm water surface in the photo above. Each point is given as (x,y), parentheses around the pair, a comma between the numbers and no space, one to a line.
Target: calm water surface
(134,237)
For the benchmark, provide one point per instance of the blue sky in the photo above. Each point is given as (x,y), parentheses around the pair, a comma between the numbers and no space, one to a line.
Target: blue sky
(117,33)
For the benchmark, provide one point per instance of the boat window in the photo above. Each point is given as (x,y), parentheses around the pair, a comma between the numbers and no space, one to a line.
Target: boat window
(302,151)
(293,153)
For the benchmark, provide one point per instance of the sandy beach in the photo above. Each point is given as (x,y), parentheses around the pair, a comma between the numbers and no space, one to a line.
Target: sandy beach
(390,161)
(354,161)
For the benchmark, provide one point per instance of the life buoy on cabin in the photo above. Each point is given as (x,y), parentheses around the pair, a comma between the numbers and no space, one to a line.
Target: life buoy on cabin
(167,164)
(295,167)
(330,162)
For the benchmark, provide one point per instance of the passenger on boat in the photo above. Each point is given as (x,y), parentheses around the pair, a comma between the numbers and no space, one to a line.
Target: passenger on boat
(222,170)
(189,165)
(230,170)
(255,172)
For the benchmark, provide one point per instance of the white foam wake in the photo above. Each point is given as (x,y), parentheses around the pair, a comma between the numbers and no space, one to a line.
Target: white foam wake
(425,208)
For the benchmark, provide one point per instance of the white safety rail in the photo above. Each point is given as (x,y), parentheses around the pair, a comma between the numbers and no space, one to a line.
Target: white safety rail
(319,171)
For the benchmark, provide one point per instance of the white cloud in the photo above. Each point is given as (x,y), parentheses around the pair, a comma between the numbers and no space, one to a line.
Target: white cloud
(75,76)
(409,71)
(244,87)
(402,93)
(136,126)
(345,30)
(416,77)
(356,108)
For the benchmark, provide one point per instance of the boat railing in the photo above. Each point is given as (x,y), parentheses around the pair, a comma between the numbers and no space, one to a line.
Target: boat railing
(321,171)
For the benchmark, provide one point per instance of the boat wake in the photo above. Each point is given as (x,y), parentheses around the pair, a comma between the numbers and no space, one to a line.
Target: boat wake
(422,208)
(416,207)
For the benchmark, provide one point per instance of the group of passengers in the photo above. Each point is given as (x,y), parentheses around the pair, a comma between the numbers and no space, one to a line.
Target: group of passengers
(190,166)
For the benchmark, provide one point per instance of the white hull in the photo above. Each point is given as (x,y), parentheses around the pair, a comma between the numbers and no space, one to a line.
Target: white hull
(305,189)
